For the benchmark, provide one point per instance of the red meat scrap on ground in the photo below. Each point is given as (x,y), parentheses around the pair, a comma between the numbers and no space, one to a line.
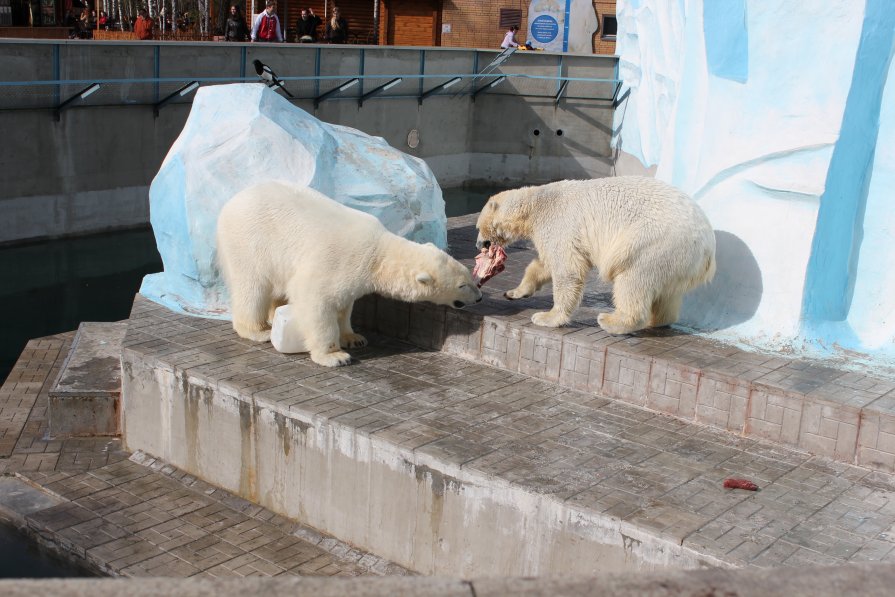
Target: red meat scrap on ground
(740,484)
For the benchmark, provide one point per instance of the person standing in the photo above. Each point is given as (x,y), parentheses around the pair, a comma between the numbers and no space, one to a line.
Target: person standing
(337,28)
(306,26)
(267,25)
(143,25)
(509,40)
(235,28)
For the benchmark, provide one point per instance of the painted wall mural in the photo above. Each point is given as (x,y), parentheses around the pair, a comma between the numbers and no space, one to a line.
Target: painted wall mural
(779,118)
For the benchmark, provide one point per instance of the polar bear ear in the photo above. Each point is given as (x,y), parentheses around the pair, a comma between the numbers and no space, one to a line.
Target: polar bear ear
(424,278)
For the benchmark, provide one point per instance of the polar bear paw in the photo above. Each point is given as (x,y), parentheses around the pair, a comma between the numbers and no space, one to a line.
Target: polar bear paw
(515,294)
(254,335)
(331,359)
(547,319)
(610,322)
(352,340)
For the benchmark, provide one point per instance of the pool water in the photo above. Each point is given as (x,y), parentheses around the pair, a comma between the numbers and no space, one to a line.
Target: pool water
(50,287)
(21,558)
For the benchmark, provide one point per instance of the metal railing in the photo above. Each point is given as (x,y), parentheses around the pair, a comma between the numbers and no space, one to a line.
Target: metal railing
(494,78)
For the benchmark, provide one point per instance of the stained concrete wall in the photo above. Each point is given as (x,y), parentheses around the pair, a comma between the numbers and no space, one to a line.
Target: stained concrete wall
(90,171)
(426,513)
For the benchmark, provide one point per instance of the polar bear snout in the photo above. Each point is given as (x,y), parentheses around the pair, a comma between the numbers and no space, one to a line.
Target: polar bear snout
(482,244)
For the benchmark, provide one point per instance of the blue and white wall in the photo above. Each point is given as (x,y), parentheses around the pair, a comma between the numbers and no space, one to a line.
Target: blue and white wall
(778,117)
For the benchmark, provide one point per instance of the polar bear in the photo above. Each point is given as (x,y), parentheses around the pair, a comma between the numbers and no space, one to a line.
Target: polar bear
(280,244)
(646,237)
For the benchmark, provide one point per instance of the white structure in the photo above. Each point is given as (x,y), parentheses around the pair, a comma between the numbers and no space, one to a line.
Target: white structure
(779,118)
(239,135)
(562,25)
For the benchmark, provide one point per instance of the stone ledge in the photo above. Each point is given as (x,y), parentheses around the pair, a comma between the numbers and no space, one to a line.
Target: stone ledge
(843,415)
(84,400)
(867,579)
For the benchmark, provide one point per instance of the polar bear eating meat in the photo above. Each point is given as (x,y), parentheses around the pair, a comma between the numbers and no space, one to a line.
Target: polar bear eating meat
(279,244)
(650,240)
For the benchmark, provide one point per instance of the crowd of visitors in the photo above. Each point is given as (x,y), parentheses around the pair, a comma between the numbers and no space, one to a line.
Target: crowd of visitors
(267,27)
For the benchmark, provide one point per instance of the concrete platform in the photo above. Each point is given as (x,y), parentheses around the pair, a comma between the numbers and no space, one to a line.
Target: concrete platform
(448,466)
(85,398)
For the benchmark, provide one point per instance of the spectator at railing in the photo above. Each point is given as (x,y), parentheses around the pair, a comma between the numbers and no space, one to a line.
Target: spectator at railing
(103,20)
(235,28)
(143,26)
(267,25)
(337,28)
(306,26)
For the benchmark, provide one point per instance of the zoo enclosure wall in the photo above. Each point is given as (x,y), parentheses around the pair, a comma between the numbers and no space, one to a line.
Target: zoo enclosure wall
(87,164)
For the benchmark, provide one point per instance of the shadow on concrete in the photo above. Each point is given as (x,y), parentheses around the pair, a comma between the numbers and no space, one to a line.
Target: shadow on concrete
(735,293)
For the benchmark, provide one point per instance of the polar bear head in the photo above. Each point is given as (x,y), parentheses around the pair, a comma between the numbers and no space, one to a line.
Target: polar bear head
(443,280)
(416,272)
(505,218)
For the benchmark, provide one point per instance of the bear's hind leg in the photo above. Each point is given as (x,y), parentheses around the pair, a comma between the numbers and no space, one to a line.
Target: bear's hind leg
(536,275)
(632,305)
(347,337)
(666,310)
(250,310)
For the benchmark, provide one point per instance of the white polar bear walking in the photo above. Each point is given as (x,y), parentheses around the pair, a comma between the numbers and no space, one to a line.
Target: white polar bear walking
(650,240)
(279,244)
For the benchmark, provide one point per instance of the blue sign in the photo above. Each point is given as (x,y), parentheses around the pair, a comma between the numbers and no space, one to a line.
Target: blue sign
(544,29)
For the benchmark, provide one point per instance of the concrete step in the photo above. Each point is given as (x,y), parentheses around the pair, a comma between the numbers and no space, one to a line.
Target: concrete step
(85,398)
(452,467)
(820,407)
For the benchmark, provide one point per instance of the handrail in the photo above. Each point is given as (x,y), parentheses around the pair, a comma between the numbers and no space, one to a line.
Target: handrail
(159,91)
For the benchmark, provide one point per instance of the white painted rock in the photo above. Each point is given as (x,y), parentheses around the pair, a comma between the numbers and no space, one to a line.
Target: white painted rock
(243,134)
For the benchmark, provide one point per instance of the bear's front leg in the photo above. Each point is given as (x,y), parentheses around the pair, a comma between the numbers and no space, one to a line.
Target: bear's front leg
(319,323)
(347,337)
(568,288)
(536,275)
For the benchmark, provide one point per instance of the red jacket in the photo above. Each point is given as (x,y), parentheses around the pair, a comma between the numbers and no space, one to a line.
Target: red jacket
(143,28)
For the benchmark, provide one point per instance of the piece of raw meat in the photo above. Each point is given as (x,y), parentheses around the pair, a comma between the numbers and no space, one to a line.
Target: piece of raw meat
(488,264)
(740,484)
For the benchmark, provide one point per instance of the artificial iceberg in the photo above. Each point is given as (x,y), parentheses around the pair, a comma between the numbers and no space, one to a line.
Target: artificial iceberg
(778,117)
(239,135)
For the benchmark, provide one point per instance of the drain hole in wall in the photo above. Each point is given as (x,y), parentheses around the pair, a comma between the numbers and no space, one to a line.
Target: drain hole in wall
(559,132)
(537,132)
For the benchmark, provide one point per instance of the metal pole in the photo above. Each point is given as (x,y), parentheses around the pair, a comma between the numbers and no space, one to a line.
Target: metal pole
(375,22)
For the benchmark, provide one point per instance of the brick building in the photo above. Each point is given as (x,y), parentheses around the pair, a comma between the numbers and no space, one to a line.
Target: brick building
(452,23)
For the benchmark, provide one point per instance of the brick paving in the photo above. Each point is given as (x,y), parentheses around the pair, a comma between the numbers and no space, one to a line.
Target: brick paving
(130,515)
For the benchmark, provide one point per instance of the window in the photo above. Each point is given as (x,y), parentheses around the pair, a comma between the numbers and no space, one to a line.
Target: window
(510,17)
(610,27)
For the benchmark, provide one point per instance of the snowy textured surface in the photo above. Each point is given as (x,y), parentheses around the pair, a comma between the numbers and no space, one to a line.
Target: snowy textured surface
(240,135)
(748,107)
